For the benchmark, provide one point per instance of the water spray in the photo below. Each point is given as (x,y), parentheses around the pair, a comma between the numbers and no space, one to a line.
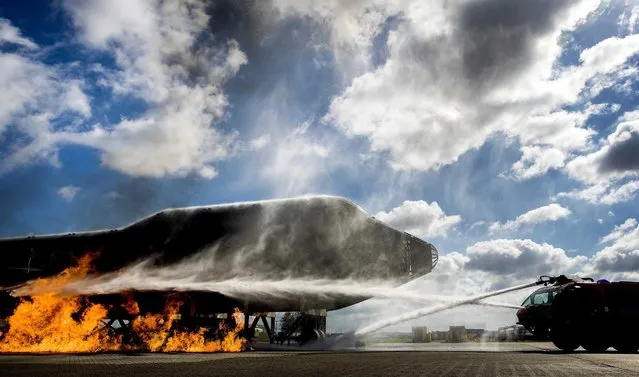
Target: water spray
(430,310)
(244,287)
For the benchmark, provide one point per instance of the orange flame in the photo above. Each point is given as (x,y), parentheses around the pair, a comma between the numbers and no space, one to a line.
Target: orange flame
(48,322)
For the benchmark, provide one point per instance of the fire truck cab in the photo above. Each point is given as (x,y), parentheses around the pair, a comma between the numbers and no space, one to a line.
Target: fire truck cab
(574,312)
(534,316)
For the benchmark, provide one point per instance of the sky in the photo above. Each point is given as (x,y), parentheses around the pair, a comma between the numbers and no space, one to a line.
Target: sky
(505,133)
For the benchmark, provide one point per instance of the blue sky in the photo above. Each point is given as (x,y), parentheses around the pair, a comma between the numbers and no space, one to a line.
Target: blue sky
(505,133)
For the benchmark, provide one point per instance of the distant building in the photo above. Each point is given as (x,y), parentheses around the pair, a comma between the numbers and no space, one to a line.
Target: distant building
(474,334)
(421,335)
(439,335)
(457,334)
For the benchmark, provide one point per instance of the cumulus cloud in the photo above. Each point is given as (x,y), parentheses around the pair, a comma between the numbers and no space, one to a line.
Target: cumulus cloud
(69,192)
(488,67)
(457,73)
(619,231)
(623,193)
(536,161)
(610,172)
(161,59)
(36,101)
(523,258)
(165,56)
(551,212)
(621,257)
(420,218)
(615,158)
(606,192)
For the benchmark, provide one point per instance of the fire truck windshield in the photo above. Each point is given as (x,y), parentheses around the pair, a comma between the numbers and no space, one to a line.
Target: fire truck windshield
(544,297)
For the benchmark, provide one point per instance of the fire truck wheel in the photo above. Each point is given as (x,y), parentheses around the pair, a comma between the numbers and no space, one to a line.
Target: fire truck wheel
(564,339)
(566,344)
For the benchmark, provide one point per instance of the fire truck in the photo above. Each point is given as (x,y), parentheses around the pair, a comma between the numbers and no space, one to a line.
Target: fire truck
(573,311)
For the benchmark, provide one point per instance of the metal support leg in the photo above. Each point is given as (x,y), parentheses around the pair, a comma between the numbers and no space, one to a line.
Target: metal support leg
(270,331)
(255,320)
(248,335)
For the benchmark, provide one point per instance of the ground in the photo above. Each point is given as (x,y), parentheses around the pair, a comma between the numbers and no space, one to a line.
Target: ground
(469,359)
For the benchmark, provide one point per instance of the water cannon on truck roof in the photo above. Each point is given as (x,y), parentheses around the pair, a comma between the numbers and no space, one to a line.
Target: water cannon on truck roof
(573,311)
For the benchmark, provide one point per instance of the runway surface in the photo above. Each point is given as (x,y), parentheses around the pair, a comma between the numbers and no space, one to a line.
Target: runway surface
(469,359)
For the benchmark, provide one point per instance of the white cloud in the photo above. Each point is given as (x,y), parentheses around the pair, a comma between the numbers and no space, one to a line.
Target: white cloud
(474,91)
(505,81)
(551,212)
(33,95)
(420,218)
(621,258)
(164,55)
(23,82)
(604,193)
(629,19)
(34,98)
(477,224)
(603,164)
(536,161)
(521,258)
(259,142)
(606,171)
(69,192)
(76,99)
(155,48)
(11,34)
(619,231)
(623,193)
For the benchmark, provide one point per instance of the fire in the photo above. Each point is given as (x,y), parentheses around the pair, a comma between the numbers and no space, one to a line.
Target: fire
(49,322)
(195,342)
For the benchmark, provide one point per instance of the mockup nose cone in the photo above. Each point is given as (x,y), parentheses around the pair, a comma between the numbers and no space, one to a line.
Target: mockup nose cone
(423,255)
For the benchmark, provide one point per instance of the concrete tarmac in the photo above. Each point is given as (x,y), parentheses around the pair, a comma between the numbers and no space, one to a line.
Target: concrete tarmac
(469,359)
